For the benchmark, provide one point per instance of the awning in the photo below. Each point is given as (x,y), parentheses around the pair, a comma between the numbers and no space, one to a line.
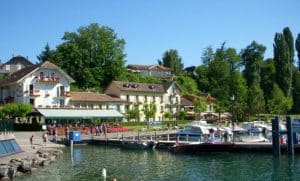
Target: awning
(79,113)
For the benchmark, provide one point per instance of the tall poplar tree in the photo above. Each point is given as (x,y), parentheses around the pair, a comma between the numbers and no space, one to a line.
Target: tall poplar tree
(297,45)
(283,57)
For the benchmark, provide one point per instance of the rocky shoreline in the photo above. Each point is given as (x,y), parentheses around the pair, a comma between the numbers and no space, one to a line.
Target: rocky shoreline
(16,167)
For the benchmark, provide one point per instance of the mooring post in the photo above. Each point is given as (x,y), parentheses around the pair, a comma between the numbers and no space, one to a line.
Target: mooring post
(187,138)
(155,135)
(275,136)
(138,135)
(168,137)
(290,146)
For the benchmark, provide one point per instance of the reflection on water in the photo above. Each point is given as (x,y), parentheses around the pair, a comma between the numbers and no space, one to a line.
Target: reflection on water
(88,162)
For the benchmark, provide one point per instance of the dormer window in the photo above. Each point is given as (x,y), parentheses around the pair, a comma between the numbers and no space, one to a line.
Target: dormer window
(151,86)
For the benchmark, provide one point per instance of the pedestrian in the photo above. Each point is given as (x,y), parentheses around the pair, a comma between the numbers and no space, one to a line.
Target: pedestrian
(97,130)
(44,139)
(31,141)
(66,132)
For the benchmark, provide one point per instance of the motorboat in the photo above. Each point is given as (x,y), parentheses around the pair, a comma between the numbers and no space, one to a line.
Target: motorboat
(202,147)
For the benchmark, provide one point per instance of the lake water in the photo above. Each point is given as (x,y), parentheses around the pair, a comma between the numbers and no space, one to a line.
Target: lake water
(155,165)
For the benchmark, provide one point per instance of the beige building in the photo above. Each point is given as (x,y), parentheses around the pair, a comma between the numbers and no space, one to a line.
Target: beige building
(93,100)
(166,97)
(151,70)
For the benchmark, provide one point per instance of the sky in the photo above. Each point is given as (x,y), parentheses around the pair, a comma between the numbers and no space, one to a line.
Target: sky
(149,27)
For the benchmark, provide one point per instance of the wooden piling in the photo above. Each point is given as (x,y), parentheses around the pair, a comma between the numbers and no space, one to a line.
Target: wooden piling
(275,136)
(290,144)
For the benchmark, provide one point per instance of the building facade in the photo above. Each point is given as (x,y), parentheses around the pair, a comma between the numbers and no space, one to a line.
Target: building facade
(93,100)
(16,63)
(42,85)
(151,70)
(166,97)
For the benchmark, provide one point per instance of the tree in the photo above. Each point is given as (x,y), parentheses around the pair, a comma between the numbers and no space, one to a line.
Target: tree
(255,101)
(93,56)
(199,106)
(172,60)
(278,103)
(267,75)
(133,113)
(297,45)
(283,63)
(202,78)
(14,110)
(296,92)
(167,115)
(149,110)
(252,58)
(46,55)
(188,84)
(207,56)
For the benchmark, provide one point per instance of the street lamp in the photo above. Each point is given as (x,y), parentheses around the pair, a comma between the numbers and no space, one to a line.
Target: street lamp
(232,98)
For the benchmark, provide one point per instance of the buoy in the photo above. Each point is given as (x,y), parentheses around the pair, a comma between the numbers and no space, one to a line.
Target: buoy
(104,173)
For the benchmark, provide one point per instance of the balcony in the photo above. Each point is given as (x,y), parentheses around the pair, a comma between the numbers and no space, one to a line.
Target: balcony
(48,79)
(34,92)
(65,94)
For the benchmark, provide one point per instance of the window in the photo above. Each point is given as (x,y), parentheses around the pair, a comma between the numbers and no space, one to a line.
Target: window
(146,99)
(61,102)
(161,99)
(137,98)
(31,101)
(127,97)
(41,75)
(153,98)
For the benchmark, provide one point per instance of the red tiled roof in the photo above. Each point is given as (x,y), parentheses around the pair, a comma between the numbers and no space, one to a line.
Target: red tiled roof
(93,97)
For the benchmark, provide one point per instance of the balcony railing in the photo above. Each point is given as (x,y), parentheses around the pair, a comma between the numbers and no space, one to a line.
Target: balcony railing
(48,79)
(34,92)
(65,94)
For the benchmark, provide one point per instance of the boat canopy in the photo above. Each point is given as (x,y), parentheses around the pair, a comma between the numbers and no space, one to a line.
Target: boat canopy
(79,113)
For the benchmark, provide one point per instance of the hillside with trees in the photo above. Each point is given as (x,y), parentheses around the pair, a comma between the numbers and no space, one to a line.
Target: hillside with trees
(94,56)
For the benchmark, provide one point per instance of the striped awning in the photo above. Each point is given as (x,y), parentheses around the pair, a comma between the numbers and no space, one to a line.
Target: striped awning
(79,113)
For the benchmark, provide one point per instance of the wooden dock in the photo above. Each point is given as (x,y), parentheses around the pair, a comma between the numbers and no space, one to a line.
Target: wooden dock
(165,141)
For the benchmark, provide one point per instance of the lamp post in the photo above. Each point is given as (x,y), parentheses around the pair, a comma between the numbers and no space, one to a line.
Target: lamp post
(232,98)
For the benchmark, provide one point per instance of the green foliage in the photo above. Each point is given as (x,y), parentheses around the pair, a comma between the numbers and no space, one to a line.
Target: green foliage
(202,78)
(252,58)
(207,56)
(255,102)
(46,55)
(93,56)
(14,110)
(279,104)
(188,84)
(182,115)
(267,75)
(133,113)
(149,110)
(296,92)
(172,59)
(199,105)
(167,115)
(283,64)
(297,46)
(133,77)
